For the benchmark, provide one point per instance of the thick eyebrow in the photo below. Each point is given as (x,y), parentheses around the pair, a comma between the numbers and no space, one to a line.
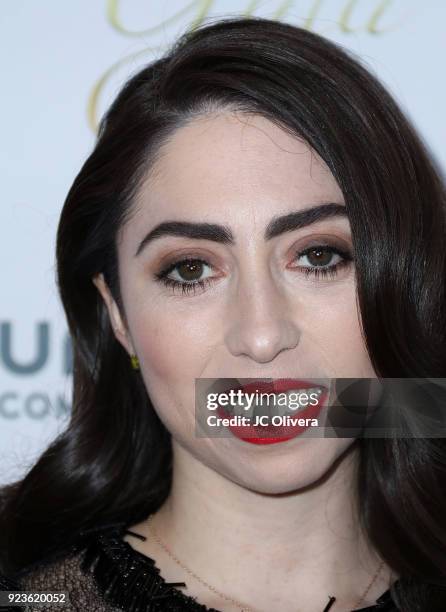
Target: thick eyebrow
(224,235)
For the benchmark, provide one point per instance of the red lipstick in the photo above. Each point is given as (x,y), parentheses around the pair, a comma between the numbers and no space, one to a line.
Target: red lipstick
(280,385)
(271,434)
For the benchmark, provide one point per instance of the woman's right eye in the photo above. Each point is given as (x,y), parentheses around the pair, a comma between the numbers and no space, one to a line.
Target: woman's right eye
(187,271)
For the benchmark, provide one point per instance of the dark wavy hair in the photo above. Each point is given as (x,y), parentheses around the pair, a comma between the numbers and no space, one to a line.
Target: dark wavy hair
(113,463)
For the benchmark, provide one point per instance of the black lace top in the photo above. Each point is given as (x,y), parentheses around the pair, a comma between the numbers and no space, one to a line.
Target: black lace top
(103,573)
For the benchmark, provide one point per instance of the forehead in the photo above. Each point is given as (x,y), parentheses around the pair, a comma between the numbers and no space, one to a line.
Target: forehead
(232,167)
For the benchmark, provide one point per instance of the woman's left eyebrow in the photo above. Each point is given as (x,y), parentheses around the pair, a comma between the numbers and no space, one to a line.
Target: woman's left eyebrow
(223,234)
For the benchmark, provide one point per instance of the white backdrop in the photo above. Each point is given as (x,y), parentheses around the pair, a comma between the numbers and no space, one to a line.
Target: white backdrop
(62,63)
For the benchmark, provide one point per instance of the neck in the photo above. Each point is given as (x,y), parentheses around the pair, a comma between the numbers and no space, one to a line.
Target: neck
(307,542)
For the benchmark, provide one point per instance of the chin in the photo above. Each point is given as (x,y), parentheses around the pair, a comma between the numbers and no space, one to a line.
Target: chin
(291,470)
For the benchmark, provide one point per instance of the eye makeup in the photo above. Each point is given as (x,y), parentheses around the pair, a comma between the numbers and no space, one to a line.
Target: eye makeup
(322,261)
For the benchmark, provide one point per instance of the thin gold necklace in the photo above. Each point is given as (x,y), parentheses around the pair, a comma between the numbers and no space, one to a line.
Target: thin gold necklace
(242,607)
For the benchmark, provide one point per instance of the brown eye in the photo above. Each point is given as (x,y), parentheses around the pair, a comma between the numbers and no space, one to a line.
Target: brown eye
(320,256)
(186,274)
(187,271)
(190,270)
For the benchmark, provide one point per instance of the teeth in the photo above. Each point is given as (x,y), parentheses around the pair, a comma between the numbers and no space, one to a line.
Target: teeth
(308,400)
(269,407)
(239,409)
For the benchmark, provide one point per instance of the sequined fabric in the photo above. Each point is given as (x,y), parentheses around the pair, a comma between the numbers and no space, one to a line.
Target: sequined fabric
(105,574)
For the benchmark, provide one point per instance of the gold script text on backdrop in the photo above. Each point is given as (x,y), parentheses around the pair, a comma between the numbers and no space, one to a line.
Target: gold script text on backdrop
(200,9)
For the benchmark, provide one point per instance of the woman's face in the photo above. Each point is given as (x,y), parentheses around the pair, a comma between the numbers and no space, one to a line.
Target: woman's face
(261,311)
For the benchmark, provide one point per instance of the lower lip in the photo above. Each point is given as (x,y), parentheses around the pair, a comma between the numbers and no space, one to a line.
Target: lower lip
(282,433)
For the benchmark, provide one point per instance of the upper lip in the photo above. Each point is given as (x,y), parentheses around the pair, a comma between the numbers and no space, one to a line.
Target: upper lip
(278,385)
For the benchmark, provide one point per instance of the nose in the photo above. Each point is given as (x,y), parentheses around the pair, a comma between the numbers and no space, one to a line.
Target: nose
(261,320)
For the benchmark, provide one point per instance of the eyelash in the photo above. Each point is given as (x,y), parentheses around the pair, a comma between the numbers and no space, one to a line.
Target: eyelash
(188,287)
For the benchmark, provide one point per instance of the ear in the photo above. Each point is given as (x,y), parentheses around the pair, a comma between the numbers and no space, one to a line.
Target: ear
(117,323)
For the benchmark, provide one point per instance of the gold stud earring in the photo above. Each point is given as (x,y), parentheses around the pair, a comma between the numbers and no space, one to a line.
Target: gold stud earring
(135,362)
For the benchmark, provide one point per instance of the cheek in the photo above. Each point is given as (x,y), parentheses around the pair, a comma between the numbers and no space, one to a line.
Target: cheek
(331,340)
(174,346)
(337,331)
